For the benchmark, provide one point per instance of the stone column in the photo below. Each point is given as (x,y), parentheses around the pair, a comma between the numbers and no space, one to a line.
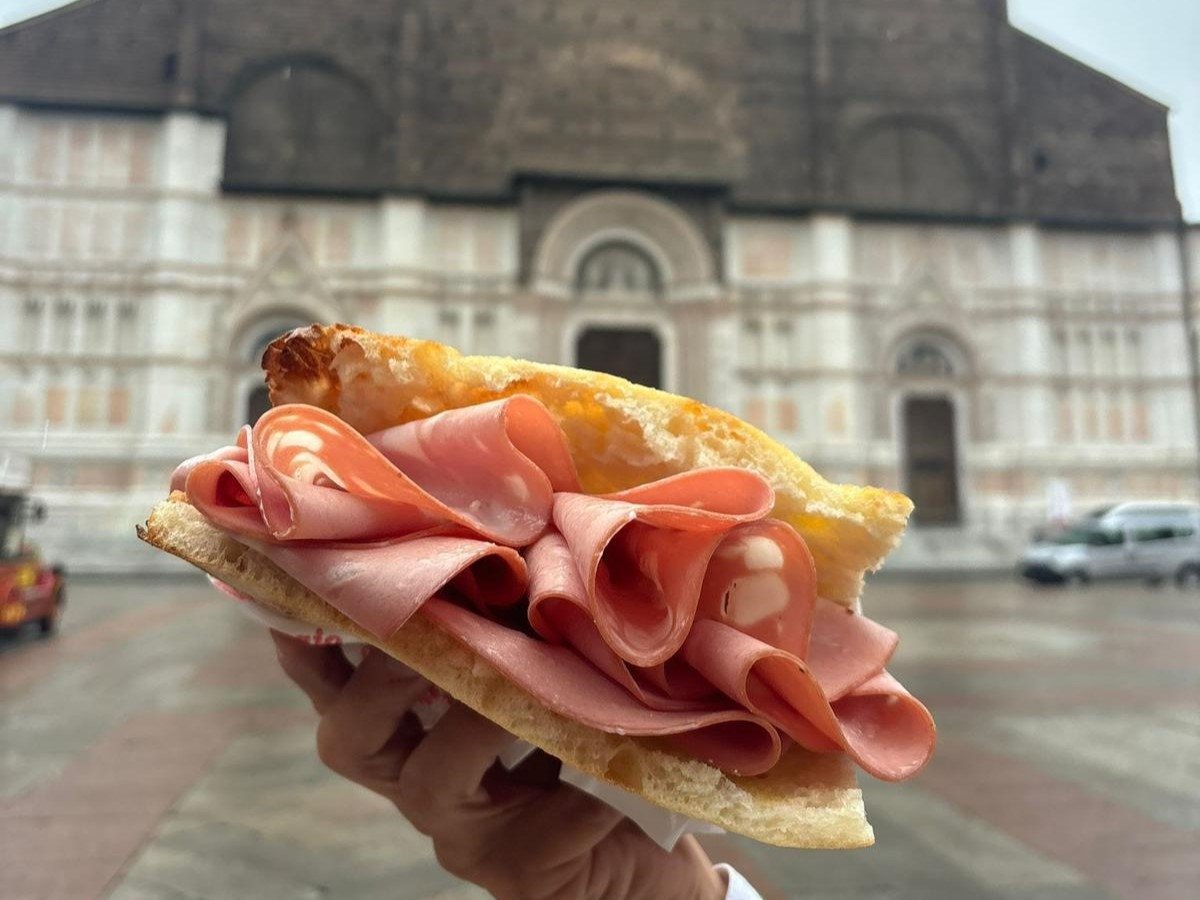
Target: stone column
(401,251)
(1033,353)
(172,321)
(841,391)
(8,173)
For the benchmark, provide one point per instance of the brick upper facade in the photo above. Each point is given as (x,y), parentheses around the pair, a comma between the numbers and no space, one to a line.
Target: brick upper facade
(930,107)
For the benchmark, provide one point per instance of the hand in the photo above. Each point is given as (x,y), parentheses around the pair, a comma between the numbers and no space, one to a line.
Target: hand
(520,834)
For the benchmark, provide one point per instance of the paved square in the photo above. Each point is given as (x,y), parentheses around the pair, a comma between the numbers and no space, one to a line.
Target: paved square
(153,750)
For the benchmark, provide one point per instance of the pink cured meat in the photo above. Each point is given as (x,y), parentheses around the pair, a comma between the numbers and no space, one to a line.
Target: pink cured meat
(313,477)
(879,724)
(829,693)
(558,612)
(676,609)
(643,553)
(237,453)
(380,586)
(730,739)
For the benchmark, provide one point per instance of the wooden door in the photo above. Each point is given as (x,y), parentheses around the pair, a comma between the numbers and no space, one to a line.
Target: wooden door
(931,460)
(632,353)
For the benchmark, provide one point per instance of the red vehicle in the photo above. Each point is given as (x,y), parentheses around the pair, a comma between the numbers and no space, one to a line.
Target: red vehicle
(29,590)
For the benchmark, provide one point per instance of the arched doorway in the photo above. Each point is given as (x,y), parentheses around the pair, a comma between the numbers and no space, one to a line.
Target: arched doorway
(620,285)
(929,367)
(631,353)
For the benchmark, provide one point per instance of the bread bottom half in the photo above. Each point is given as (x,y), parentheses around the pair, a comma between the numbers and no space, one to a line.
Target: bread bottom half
(809,800)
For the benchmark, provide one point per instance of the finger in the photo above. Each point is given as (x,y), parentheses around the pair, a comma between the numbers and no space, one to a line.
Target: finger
(369,711)
(570,823)
(318,671)
(444,774)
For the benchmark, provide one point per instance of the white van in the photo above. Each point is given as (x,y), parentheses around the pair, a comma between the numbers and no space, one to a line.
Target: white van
(1151,541)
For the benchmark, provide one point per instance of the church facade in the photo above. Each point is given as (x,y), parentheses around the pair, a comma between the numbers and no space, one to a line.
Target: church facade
(917,246)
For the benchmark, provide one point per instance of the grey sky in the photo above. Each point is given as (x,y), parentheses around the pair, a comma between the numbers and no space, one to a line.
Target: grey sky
(1152,45)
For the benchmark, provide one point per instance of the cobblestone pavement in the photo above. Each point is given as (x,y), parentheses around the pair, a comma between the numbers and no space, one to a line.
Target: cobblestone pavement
(153,750)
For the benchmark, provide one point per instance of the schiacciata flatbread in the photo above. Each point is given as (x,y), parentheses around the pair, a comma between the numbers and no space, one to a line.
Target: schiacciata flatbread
(649,449)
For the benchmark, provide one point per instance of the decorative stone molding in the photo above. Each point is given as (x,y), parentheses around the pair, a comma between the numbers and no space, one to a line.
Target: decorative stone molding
(654,226)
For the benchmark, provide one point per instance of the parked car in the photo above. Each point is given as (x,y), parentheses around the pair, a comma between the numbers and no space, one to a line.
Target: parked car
(30,591)
(1150,541)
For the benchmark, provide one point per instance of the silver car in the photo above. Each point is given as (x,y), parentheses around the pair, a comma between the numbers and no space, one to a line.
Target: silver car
(1150,541)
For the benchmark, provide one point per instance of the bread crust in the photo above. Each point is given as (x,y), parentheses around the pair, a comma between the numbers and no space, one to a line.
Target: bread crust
(808,800)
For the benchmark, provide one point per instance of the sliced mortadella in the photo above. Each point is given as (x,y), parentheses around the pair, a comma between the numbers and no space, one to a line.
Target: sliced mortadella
(225,490)
(554,584)
(380,586)
(490,458)
(676,679)
(841,640)
(881,713)
(884,729)
(319,479)
(642,553)
(237,492)
(180,476)
(730,739)
(762,581)
(558,612)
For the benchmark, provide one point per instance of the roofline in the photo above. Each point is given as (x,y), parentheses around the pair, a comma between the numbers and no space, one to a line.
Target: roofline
(652,183)
(1117,82)
(48,14)
(83,106)
(944,218)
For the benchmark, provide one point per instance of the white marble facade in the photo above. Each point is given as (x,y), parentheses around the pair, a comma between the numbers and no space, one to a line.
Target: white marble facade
(136,297)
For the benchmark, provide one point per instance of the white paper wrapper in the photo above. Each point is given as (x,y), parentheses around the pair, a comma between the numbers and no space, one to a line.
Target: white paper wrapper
(661,825)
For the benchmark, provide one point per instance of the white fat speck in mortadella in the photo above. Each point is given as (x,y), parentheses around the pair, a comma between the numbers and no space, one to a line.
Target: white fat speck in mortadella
(755,597)
(756,551)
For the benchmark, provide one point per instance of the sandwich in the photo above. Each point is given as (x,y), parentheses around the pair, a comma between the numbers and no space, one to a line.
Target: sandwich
(645,587)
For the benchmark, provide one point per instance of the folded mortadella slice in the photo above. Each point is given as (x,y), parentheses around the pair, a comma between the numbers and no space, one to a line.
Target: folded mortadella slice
(731,739)
(558,612)
(887,731)
(844,646)
(237,453)
(493,458)
(231,489)
(380,586)
(762,581)
(316,478)
(643,553)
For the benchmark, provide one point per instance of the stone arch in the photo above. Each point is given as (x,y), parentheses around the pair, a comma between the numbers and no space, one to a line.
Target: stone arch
(302,123)
(655,227)
(911,163)
(930,352)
